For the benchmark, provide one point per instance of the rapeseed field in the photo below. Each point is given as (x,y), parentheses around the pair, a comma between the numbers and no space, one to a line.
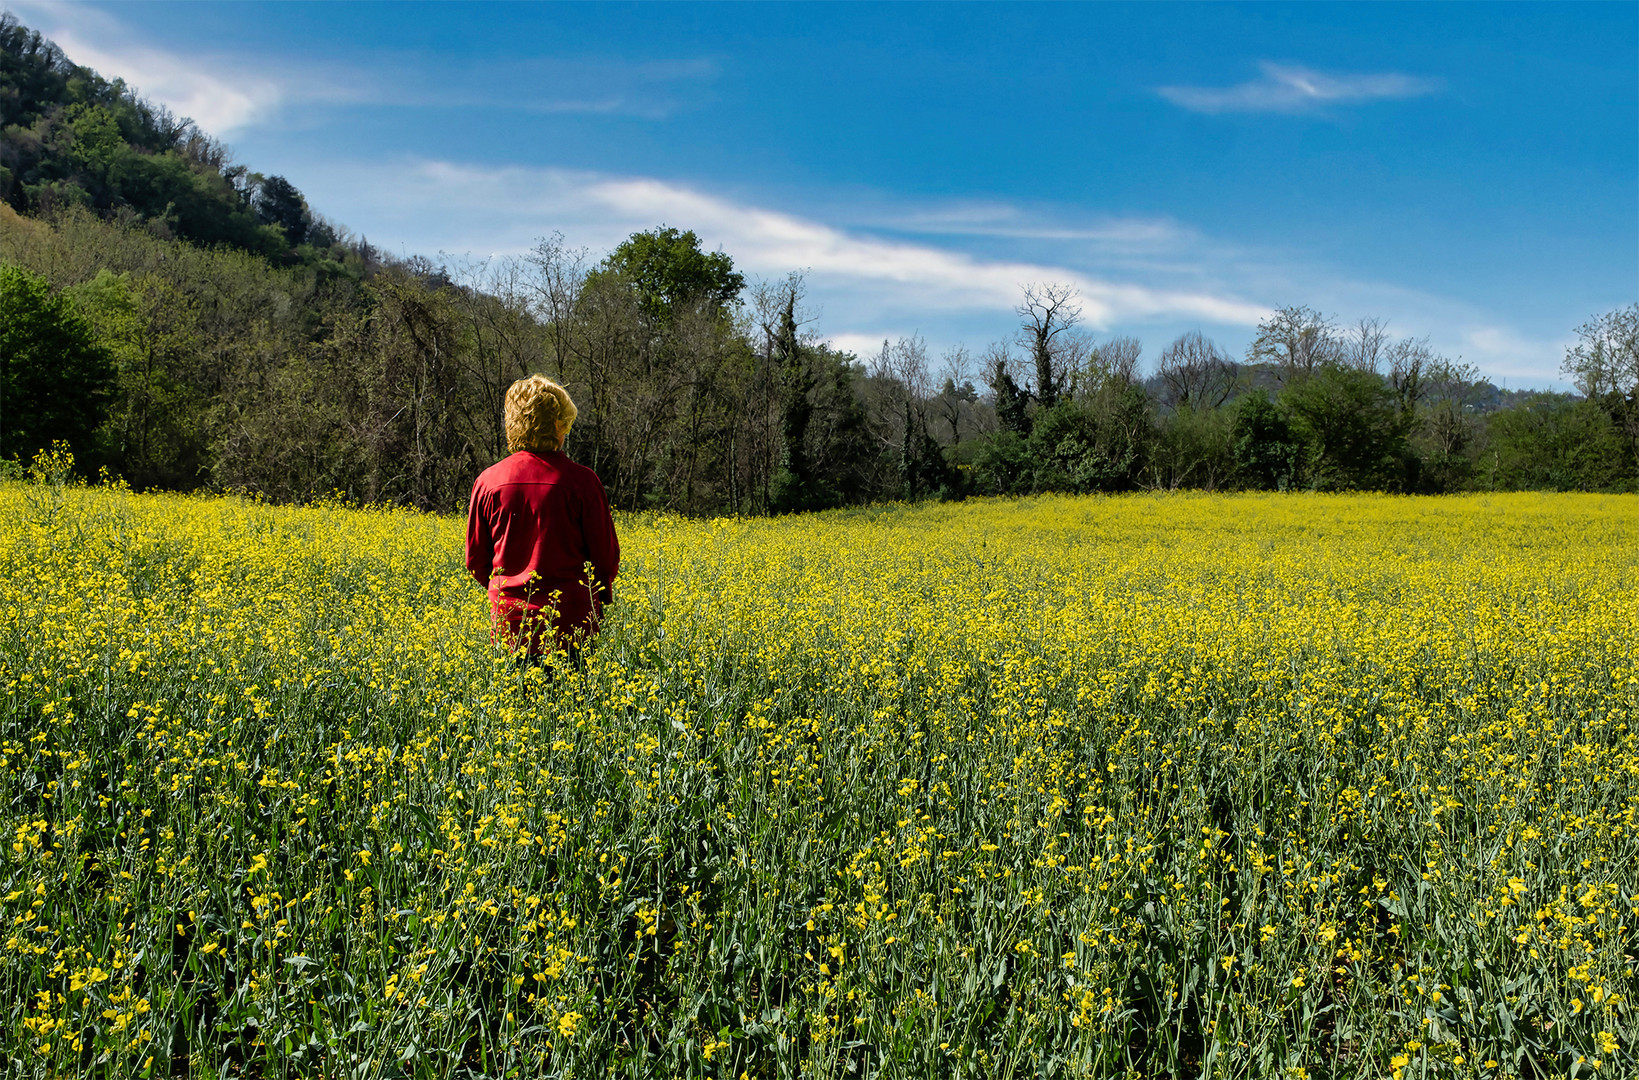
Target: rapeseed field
(1240,786)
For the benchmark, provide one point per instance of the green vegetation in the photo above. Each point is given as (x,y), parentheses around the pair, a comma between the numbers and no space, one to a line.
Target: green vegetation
(1187,785)
(54,375)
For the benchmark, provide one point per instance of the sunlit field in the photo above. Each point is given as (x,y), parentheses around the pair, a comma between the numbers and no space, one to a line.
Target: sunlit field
(1257,786)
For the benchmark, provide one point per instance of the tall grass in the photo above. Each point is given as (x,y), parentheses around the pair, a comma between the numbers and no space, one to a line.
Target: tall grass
(1216,786)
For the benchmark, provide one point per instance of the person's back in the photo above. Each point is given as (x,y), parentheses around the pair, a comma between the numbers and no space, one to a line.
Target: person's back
(539,533)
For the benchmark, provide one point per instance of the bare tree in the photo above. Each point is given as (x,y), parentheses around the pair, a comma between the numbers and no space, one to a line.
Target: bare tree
(1117,359)
(559,274)
(957,395)
(504,341)
(905,362)
(902,388)
(1364,344)
(1075,362)
(1195,373)
(1410,362)
(1296,340)
(1047,310)
(956,366)
(774,305)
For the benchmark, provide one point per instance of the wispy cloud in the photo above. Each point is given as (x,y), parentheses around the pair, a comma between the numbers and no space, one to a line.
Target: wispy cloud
(226,93)
(1289,88)
(512,205)
(1503,352)
(1130,235)
(868,284)
(647,89)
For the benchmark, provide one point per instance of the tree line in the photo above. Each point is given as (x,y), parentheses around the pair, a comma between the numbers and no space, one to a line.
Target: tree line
(186,323)
(182,367)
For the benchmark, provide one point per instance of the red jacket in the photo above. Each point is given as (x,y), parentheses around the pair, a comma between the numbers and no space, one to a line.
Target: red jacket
(535,521)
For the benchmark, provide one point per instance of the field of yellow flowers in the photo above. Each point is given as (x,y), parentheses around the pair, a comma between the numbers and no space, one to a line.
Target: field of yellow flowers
(1256,786)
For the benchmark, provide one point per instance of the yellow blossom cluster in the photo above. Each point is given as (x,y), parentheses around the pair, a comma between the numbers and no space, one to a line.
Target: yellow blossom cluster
(1290,785)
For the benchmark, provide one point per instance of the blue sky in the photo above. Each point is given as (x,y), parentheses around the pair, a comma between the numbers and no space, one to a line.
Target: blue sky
(1468,172)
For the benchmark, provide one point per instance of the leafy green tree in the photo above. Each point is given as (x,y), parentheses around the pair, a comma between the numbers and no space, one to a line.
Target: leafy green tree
(666,267)
(1012,402)
(279,204)
(1003,464)
(1192,448)
(1295,342)
(1263,449)
(55,380)
(1352,428)
(792,487)
(72,138)
(149,328)
(839,448)
(1093,444)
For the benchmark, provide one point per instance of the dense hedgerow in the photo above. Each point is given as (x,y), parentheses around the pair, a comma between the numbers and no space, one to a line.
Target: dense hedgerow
(1195,785)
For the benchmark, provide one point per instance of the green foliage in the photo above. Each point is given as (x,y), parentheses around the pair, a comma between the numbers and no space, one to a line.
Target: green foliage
(1095,445)
(1557,443)
(667,268)
(72,138)
(149,327)
(793,487)
(279,204)
(1264,449)
(1351,427)
(286,362)
(1012,403)
(1193,448)
(1003,465)
(838,444)
(55,379)
(1086,444)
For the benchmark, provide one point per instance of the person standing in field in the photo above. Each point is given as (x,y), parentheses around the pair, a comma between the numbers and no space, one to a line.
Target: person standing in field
(539,533)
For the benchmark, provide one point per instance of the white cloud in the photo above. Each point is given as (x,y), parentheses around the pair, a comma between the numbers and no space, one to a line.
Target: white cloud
(504,208)
(1288,88)
(873,273)
(218,104)
(863,346)
(867,287)
(218,96)
(1125,235)
(1502,352)
(228,93)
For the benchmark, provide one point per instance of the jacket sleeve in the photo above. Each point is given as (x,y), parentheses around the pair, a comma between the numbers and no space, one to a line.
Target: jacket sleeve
(480,542)
(602,545)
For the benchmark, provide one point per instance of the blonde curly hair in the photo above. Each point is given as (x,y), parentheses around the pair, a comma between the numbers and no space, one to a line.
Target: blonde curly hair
(539,414)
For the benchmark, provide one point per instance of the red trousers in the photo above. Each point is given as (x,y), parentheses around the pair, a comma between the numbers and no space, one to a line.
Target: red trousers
(570,616)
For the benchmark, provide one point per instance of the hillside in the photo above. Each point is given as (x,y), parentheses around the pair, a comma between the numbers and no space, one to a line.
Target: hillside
(69,137)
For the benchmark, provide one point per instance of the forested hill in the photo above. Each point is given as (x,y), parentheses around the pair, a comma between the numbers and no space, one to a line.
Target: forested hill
(69,137)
